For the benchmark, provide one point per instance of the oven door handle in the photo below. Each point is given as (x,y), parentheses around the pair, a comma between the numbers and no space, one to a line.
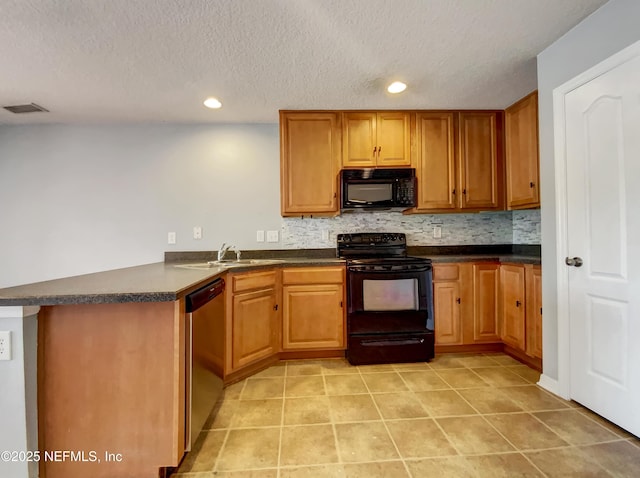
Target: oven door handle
(368,269)
(390,342)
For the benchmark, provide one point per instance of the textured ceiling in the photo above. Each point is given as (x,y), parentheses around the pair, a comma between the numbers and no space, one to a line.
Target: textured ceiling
(156,60)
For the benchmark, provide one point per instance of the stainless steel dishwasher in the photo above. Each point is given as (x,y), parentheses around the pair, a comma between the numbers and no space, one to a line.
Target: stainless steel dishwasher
(204,349)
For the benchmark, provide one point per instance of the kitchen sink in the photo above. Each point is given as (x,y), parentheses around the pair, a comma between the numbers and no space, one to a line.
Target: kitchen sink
(229,264)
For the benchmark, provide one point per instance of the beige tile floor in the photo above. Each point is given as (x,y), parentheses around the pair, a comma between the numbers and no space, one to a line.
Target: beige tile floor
(473,415)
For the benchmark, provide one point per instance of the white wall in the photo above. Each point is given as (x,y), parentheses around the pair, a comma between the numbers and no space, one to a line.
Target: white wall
(78,199)
(18,393)
(608,30)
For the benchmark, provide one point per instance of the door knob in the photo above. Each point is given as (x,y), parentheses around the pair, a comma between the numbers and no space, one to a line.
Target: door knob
(576,261)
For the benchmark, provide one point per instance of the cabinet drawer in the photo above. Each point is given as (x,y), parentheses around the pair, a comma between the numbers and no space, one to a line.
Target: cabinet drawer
(446,272)
(254,280)
(313,275)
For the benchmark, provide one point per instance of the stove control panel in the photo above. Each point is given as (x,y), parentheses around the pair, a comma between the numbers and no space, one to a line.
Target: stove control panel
(373,239)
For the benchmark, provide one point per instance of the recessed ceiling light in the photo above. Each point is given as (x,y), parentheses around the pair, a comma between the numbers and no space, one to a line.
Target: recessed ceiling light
(213,103)
(396,87)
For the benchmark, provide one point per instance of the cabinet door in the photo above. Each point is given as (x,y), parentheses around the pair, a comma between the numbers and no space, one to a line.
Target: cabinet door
(521,154)
(512,296)
(446,301)
(478,161)
(435,161)
(312,316)
(310,160)
(359,146)
(254,327)
(534,311)
(486,285)
(393,134)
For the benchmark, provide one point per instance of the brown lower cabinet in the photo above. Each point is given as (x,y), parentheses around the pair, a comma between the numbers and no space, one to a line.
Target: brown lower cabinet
(465,301)
(253,316)
(521,308)
(313,312)
(488,304)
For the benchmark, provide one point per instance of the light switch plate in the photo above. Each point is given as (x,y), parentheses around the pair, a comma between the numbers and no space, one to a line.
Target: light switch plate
(259,236)
(197,232)
(272,236)
(171,238)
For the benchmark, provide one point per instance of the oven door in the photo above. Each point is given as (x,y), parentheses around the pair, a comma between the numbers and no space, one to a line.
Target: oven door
(389,298)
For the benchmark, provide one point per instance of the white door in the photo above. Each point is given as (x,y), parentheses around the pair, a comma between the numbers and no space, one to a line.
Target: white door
(603,224)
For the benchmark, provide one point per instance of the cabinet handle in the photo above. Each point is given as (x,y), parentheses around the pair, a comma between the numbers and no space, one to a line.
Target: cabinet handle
(458,300)
(375,148)
(340,303)
(379,150)
(275,307)
(464,191)
(453,192)
(540,310)
(518,303)
(532,184)
(335,195)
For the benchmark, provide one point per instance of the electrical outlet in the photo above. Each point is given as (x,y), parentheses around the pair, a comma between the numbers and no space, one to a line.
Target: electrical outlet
(272,236)
(259,236)
(5,345)
(325,234)
(437,232)
(171,238)
(197,232)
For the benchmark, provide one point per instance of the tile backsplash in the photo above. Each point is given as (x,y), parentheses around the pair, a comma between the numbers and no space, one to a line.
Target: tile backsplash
(526,226)
(457,229)
(504,227)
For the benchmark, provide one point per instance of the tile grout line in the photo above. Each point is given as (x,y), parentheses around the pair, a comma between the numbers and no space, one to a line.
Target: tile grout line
(284,393)
(384,424)
(332,421)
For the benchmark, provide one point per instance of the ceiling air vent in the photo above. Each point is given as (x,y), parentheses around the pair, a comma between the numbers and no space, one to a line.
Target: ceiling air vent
(32,108)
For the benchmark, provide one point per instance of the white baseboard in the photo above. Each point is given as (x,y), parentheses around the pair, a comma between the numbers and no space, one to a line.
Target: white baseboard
(551,385)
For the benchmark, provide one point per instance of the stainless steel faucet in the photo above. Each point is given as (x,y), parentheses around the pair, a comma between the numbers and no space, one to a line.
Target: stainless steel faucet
(222,251)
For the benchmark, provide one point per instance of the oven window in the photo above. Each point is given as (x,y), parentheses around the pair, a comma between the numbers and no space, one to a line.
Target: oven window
(393,294)
(369,193)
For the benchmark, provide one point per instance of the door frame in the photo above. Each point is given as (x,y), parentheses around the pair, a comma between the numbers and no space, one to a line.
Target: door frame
(562,386)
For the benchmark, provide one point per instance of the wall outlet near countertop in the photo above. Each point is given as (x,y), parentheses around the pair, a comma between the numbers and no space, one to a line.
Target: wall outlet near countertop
(5,345)
(325,234)
(260,236)
(197,232)
(171,238)
(437,232)
(272,236)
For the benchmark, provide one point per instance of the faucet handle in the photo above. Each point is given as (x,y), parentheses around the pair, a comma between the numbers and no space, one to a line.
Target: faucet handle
(238,253)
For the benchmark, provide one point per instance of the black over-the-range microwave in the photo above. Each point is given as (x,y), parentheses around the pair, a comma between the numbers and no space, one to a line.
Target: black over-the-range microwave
(378,188)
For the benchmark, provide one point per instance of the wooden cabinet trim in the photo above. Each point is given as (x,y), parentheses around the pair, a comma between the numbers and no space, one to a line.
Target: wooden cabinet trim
(313,275)
(253,280)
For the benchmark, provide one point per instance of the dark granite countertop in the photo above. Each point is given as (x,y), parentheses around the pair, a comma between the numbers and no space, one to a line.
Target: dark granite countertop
(177,276)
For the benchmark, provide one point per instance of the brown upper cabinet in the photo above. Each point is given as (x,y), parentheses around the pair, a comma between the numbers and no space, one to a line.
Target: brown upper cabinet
(521,145)
(376,139)
(309,162)
(459,161)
